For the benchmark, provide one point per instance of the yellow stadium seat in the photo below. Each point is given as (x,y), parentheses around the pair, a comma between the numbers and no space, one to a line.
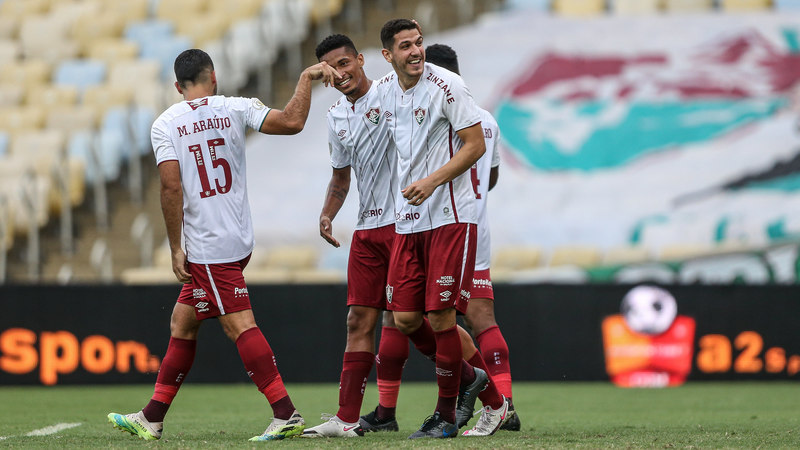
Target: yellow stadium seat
(11,94)
(70,119)
(6,221)
(70,11)
(10,51)
(90,28)
(16,175)
(44,144)
(29,72)
(323,10)
(9,27)
(678,252)
(292,257)
(575,255)
(106,96)
(688,5)
(238,10)
(202,28)
(135,71)
(110,50)
(745,5)
(19,9)
(625,255)
(175,9)
(515,258)
(579,7)
(45,37)
(23,118)
(635,6)
(131,10)
(51,95)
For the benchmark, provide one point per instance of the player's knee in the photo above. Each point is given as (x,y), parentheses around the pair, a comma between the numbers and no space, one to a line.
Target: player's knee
(361,322)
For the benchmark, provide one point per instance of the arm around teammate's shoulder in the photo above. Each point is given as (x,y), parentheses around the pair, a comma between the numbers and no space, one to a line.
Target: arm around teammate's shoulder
(292,119)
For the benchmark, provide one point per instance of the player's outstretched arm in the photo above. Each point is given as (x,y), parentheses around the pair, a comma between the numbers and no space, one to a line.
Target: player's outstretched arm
(172,208)
(474,147)
(292,118)
(334,199)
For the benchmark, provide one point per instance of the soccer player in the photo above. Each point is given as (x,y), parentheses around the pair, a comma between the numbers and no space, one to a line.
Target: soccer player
(480,317)
(435,126)
(199,145)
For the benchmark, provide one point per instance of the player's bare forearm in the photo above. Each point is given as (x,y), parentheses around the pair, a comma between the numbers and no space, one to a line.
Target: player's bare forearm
(172,209)
(335,196)
(474,147)
(292,119)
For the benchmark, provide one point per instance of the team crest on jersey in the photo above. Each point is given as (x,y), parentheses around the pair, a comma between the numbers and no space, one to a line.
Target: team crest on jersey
(419,115)
(373,115)
(199,103)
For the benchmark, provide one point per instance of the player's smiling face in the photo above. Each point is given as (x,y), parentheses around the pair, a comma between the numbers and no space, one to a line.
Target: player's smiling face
(354,82)
(407,55)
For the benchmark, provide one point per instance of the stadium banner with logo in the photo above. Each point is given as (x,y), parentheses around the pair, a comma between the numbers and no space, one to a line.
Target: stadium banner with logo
(115,334)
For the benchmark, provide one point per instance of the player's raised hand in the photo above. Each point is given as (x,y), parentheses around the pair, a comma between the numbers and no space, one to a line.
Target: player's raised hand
(419,191)
(179,266)
(326,231)
(322,71)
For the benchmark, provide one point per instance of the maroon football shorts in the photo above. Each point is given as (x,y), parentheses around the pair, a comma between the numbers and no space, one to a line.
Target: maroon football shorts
(368,267)
(216,289)
(432,270)
(482,285)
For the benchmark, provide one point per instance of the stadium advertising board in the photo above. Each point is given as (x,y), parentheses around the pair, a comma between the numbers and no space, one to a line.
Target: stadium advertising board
(113,334)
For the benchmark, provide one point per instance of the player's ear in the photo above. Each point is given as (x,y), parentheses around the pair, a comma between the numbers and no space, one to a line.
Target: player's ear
(360,59)
(178,87)
(387,55)
(213,77)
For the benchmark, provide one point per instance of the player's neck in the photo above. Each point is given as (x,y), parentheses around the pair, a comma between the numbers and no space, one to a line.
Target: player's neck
(198,91)
(360,92)
(407,83)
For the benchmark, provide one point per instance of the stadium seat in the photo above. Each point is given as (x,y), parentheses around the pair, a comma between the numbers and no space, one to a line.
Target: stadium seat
(679,252)
(3,144)
(292,257)
(516,258)
(535,5)
(745,5)
(625,255)
(19,9)
(89,28)
(318,276)
(81,145)
(635,6)
(36,33)
(165,50)
(11,94)
(105,96)
(235,11)
(73,118)
(10,50)
(202,28)
(148,276)
(579,7)
(111,50)
(146,31)
(17,175)
(575,255)
(173,10)
(786,5)
(688,5)
(133,71)
(130,10)
(9,27)
(267,275)
(80,73)
(21,119)
(70,12)
(52,95)
(27,73)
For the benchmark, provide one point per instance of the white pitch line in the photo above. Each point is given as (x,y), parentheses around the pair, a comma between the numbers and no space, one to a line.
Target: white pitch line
(52,429)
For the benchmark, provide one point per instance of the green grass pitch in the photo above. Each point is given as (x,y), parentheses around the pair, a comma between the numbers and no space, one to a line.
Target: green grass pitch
(554,415)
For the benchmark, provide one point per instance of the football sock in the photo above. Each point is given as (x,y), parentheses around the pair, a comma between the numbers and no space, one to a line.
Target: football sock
(495,355)
(259,361)
(424,340)
(448,371)
(176,364)
(467,374)
(355,369)
(392,356)
(489,395)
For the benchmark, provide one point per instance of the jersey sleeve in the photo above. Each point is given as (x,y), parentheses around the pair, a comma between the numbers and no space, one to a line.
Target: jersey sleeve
(495,146)
(462,112)
(162,144)
(340,157)
(255,113)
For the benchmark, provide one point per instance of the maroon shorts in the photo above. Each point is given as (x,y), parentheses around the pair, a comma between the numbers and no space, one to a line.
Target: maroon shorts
(482,285)
(368,266)
(216,289)
(432,270)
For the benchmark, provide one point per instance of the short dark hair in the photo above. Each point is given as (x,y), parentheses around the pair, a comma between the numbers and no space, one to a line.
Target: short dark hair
(190,65)
(333,42)
(443,56)
(393,27)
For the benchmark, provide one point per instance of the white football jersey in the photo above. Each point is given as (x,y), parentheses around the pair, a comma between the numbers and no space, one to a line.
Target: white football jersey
(423,122)
(358,137)
(480,183)
(207,138)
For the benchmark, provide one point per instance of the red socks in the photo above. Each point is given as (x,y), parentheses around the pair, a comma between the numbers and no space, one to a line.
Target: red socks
(259,361)
(489,396)
(392,357)
(495,355)
(355,369)
(424,340)
(448,371)
(176,364)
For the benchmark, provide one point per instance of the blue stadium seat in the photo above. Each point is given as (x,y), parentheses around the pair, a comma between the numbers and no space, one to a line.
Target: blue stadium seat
(3,144)
(786,5)
(536,5)
(110,141)
(80,73)
(148,30)
(164,50)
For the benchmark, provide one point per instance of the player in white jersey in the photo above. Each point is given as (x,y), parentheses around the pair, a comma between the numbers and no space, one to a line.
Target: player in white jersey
(435,125)
(199,146)
(358,140)
(480,316)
